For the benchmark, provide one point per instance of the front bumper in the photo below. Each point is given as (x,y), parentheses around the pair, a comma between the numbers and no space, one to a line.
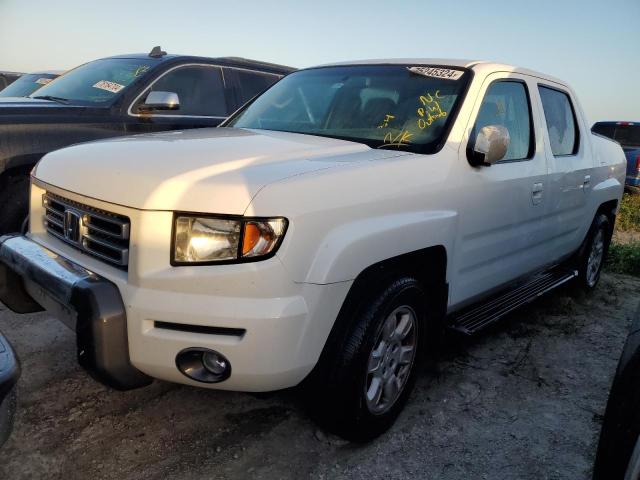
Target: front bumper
(270,329)
(32,277)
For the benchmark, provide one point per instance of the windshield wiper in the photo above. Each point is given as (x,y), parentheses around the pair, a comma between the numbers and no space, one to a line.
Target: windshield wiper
(61,100)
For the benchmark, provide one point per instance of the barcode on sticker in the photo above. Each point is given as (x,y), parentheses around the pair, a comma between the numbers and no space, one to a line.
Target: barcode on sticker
(108,86)
(43,81)
(435,72)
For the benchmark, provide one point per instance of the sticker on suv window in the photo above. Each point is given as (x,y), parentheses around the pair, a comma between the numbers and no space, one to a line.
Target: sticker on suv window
(108,86)
(43,81)
(445,73)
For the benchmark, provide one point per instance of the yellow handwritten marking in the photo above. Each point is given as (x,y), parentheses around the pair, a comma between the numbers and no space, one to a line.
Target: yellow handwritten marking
(140,70)
(399,140)
(431,110)
(385,122)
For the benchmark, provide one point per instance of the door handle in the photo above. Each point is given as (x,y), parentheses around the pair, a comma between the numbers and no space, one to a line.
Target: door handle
(587,182)
(536,193)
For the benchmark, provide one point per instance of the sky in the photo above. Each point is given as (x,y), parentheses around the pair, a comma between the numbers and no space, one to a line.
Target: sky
(591,44)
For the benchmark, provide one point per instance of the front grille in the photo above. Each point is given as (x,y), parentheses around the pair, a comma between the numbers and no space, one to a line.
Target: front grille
(97,232)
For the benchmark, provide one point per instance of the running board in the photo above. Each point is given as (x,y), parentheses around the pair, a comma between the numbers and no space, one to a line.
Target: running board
(475,318)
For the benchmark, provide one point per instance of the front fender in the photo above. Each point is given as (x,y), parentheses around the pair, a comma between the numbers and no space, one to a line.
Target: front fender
(350,248)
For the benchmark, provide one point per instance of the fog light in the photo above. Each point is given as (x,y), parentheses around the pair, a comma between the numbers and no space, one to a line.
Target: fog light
(203,365)
(214,362)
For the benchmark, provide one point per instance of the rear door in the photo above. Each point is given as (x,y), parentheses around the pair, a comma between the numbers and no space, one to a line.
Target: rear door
(244,84)
(570,167)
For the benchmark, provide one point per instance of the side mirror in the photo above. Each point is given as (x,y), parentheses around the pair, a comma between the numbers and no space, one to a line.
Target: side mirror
(160,101)
(490,147)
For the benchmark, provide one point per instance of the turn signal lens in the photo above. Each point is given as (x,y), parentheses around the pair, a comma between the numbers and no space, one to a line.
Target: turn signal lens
(262,236)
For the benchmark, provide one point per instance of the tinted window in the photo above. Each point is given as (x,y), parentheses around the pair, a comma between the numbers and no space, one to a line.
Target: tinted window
(604,129)
(506,103)
(100,81)
(200,91)
(253,83)
(561,121)
(384,106)
(628,135)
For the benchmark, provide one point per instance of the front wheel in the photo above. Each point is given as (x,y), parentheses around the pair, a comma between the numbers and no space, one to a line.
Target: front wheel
(367,373)
(593,252)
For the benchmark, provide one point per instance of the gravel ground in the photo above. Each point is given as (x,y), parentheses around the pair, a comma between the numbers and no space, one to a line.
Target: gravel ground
(524,400)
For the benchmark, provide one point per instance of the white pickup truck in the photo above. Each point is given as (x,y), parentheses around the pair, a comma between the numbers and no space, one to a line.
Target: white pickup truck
(326,237)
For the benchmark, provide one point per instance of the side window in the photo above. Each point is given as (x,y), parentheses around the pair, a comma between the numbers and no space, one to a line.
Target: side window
(200,90)
(506,103)
(253,83)
(561,121)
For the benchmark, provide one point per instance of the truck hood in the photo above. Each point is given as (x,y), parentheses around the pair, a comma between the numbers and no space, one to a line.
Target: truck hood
(214,170)
(10,107)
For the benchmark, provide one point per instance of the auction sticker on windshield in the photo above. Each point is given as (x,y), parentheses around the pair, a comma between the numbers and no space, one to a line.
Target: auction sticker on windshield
(445,73)
(43,81)
(108,86)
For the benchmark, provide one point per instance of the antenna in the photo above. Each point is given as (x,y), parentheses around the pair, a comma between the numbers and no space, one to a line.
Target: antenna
(157,52)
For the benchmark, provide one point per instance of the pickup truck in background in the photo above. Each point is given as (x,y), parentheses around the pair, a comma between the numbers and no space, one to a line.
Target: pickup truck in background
(118,96)
(325,237)
(29,83)
(627,134)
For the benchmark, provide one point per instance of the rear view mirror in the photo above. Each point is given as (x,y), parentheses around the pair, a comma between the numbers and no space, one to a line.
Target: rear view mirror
(491,145)
(160,101)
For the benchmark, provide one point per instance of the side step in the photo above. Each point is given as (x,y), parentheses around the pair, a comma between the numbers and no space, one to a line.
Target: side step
(477,317)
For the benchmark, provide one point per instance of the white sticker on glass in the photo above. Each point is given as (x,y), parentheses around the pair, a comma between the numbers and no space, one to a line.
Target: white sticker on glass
(108,86)
(435,72)
(43,81)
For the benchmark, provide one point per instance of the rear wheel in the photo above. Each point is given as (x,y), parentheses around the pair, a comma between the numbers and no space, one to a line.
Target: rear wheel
(593,252)
(14,203)
(367,372)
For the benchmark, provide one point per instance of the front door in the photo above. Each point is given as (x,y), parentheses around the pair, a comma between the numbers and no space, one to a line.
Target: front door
(503,205)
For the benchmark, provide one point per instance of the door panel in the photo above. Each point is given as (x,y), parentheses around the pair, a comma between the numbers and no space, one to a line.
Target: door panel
(570,168)
(501,232)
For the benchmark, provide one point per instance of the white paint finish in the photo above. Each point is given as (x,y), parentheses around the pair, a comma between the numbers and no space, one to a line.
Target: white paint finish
(348,206)
(211,170)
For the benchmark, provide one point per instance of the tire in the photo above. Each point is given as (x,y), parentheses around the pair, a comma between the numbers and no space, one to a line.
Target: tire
(371,347)
(593,252)
(14,203)
(7,413)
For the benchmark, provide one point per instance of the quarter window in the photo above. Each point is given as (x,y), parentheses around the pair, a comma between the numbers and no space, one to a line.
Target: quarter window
(506,103)
(561,121)
(200,91)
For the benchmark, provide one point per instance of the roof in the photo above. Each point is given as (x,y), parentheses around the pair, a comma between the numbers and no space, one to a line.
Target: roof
(475,65)
(236,61)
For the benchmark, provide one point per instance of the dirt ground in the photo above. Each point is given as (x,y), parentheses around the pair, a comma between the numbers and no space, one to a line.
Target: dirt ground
(524,400)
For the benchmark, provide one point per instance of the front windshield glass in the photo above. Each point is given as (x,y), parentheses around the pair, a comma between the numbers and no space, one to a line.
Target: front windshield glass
(97,82)
(403,107)
(27,84)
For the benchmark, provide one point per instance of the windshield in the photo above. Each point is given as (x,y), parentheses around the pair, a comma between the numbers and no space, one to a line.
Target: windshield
(27,84)
(387,106)
(97,82)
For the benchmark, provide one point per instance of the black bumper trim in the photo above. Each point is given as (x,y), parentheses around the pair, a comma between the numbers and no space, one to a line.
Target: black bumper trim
(101,319)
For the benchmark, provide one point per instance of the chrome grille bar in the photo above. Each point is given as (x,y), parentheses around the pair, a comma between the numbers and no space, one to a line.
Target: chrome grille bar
(103,234)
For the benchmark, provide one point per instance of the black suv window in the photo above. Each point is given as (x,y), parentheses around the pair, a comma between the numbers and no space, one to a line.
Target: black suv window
(200,90)
(253,83)
(561,121)
(506,103)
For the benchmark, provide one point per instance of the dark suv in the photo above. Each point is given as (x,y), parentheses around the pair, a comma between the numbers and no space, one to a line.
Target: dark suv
(115,96)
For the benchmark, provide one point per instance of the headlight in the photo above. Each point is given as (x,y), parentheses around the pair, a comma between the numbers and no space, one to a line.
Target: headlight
(206,240)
